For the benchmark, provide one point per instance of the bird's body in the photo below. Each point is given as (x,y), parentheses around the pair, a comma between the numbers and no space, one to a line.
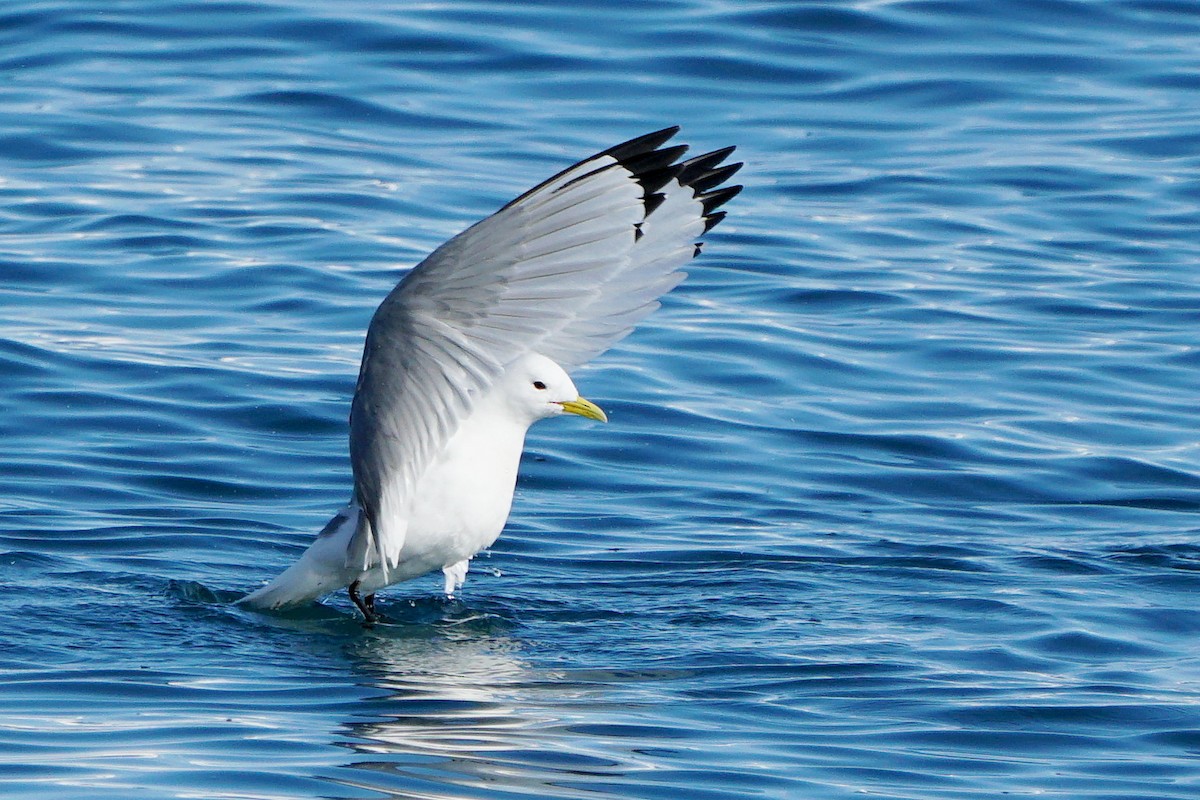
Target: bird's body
(459,506)
(472,347)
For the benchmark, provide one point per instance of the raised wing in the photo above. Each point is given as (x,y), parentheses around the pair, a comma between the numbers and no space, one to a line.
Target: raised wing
(566,269)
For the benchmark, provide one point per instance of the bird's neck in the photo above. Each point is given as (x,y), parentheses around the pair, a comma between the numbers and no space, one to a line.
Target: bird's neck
(489,431)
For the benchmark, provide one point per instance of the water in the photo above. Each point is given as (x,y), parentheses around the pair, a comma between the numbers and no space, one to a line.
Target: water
(901,493)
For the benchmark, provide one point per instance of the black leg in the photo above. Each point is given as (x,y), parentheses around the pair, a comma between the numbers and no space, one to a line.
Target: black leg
(367,607)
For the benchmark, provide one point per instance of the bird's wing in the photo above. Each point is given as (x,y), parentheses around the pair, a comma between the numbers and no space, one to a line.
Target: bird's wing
(566,269)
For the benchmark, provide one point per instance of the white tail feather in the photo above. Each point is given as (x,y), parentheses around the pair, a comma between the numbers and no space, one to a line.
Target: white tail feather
(321,570)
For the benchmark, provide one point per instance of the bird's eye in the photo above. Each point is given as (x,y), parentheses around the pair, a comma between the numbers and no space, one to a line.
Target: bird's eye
(539,385)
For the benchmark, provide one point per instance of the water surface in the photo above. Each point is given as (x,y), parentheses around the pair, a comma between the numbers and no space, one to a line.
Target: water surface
(901,493)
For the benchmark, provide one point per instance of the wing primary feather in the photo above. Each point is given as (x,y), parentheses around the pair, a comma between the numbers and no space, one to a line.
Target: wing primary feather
(643,167)
(596,238)
(710,222)
(656,179)
(654,160)
(601,227)
(641,144)
(705,161)
(599,194)
(704,181)
(712,200)
(619,153)
(653,201)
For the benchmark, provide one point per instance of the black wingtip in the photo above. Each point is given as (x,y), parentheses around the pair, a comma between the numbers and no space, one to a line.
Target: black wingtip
(654,159)
(710,222)
(652,201)
(654,166)
(641,144)
(656,179)
(714,199)
(650,164)
(703,163)
(704,174)
(711,179)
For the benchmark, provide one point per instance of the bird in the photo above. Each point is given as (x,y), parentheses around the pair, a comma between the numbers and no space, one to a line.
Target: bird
(475,344)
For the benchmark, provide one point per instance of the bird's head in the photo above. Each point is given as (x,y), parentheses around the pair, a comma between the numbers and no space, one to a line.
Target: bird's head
(535,388)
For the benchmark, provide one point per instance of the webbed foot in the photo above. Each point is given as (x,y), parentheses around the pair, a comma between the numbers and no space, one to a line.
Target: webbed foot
(365,604)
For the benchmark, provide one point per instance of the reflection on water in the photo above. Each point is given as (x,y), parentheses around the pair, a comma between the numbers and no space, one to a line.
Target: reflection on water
(459,701)
(464,712)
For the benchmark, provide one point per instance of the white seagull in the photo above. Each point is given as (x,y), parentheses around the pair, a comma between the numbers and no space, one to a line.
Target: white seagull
(473,346)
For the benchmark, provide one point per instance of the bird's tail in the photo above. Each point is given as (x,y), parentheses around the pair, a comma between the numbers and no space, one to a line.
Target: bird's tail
(320,570)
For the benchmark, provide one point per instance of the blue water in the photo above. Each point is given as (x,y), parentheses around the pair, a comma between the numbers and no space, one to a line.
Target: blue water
(900,497)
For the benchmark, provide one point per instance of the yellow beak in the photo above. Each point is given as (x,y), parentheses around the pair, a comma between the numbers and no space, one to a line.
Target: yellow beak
(584,408)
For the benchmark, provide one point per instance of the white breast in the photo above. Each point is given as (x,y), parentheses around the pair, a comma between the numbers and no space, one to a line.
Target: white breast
(462,501)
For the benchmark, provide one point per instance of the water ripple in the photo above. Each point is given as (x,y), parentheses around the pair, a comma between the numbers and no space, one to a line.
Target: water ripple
(900,491)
